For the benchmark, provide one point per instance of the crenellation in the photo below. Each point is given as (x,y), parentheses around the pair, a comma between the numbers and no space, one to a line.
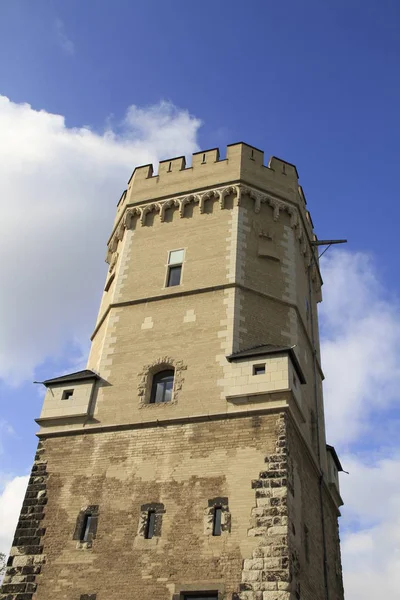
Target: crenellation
(283,167)
(242,162)
(171,165)
(205,157)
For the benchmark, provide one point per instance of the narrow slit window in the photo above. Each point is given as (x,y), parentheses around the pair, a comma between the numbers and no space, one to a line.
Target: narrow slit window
(67,394)
(259,370)
(151,521)
(217,521)
(306,544)
(86,528)
(175,262)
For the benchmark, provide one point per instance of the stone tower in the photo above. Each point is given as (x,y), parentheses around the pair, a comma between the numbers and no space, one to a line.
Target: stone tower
(189,459)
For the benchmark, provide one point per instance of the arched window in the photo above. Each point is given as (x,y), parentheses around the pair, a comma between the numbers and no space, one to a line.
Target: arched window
(161,387)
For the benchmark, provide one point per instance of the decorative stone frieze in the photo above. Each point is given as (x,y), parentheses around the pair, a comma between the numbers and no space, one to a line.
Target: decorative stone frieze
(278,206)
(161,364)
(113,262)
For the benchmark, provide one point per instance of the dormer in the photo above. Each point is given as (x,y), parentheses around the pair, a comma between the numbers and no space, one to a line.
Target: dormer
(262,373)
(334,467)
(68,396)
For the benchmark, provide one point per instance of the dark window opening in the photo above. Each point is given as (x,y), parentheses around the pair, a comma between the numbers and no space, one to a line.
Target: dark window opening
(306,544)
(174,275)
(67,394)
(162,386)
(151,521)
(201,596)
(86,528)
(259,370)
(217,521)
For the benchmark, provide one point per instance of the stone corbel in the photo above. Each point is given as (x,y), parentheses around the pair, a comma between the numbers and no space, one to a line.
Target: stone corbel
(146,210)
(186,200)
(163,207)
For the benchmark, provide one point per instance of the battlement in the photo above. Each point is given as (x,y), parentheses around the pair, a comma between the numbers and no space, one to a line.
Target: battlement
(242,163)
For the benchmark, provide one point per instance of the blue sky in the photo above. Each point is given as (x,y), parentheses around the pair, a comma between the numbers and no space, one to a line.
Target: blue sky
(315,83)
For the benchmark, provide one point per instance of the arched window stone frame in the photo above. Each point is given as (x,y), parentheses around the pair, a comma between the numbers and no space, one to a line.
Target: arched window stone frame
(146,377)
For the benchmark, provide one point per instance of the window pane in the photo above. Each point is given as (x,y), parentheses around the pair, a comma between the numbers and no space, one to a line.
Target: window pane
(176,257)
(151,519)
(259,369)
(162,387)
(159,395)
(169,384)
(174,276)
(217,520)
(86,528)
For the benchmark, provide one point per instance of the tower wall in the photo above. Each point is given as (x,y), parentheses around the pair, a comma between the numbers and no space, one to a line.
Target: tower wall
(249,442)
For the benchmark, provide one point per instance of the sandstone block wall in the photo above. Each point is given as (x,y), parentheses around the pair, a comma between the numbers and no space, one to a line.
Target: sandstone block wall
(247,462)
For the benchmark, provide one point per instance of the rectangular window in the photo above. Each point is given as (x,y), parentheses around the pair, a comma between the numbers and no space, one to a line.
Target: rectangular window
(174,276)
(217,520)
(258,369)
(86,527)
(175,261)
(66,395)
(151,521)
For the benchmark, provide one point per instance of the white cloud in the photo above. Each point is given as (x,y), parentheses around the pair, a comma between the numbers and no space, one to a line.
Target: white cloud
(361,358)
(11,498)
(361,345)
(66,45)
(371,552)
(58,191)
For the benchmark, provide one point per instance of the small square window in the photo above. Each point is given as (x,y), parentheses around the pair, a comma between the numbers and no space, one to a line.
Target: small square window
(258,369)
(66,395)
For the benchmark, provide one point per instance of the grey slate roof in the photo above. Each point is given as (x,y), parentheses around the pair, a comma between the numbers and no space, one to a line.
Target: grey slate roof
(71,377)
(268,349)
(335,457)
